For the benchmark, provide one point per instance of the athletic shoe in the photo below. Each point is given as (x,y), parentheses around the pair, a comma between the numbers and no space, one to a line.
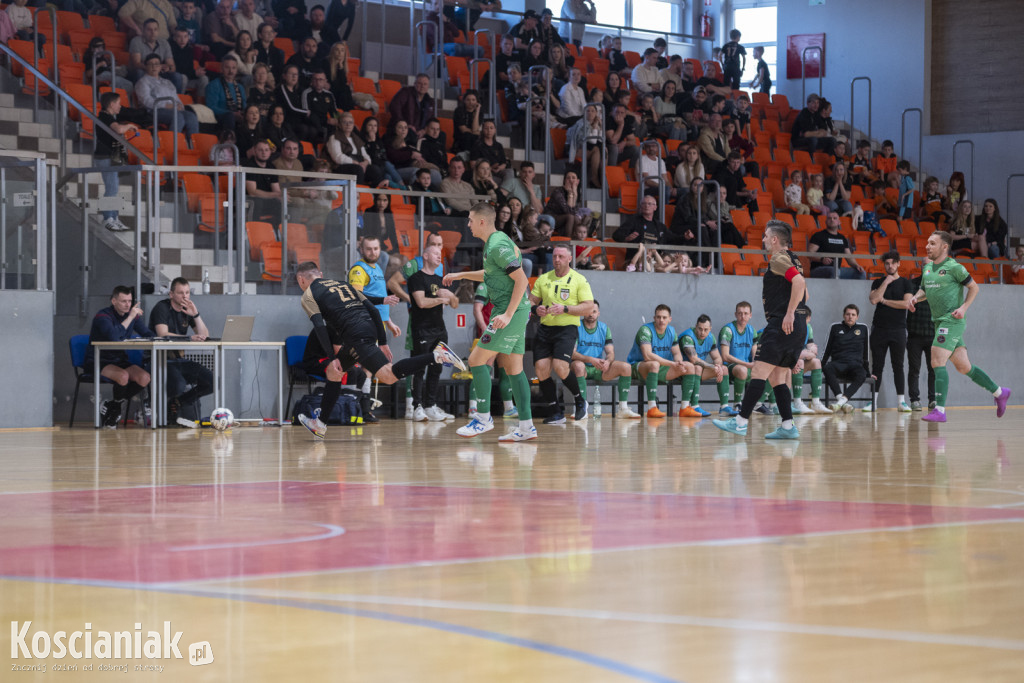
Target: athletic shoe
(447,416)
(904,408)
(410,410)
(819,407)
(511,414)
(582,409)
(314,425)
(782,433)
(369,418)
(689,411)
(188,424)
(935,416)
(627,413)
(730,426)
(419,415)
(110,413)
(435,414)
(114,225)
(701,411)
(844,408)
(471,414)
(800,408)
(774,409)
(869,408)
(443,354)
(763,408)
(147,415)
(932,405)
(517,434)
(654,412)
(556,419)
(1004,396)
(728,411)
(476,427)
(915,406)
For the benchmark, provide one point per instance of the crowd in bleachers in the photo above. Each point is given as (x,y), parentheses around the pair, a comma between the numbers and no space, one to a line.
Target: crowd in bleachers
(261,71)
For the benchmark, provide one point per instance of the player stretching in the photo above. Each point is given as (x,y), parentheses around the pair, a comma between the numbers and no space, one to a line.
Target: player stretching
(505,335)
(784,293)
(942,284)
(346,322)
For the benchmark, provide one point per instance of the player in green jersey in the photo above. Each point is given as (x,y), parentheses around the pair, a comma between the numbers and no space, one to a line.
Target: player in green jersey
(942,283)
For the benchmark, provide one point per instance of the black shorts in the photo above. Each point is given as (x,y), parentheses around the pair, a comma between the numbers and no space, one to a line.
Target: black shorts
(555,341)
(358,345)
(778,348)
(425,341)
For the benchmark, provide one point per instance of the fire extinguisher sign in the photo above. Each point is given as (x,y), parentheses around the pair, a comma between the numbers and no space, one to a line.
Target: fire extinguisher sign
(460,320)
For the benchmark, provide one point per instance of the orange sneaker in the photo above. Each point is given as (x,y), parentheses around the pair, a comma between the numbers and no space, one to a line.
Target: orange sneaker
(688,411)
(654,412)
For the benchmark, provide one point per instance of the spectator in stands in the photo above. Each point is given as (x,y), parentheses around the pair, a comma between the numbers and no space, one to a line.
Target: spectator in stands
(290,97)
(506,56)
(292,23)
(289,160)
(275,129)
(245,17)
(339,12)
(151,88)
(454,184)
(484,183)
(734,60)
(991,231)
(377,149)
(263,188)
(523,187)
(245,54)
(581,11)
(474,8)
(307,61)
(695,110)
(319,102)
(576,141)
(650,169)
(224,156)
(567,208)
(691,223)
(348,152)
(434,148)
(526,31)
(837,191)
(763,81)
(572,99)
(955,190)
(184,54)
(884,207)
(689,167)
(146,44)
(134,13)
(826,123)
(379,224)
(886,162)
(613,89)
(488,149)
(22,21)
(559,64)
(618,62)
(548,32)
(846,357)
(670,125)
(661,47)
(225,96)
(120,321)
(933,203)
(795,194)
(110,108)
(190,20)
(249,131)
(466,121)
(808,131)
(645,76)
(830,241)
(504,222)
(688,82)
(261,93)
(103,74)
(267,52)
(413,104)
(672,73)
(729,233)
(713,144)
(906,186)
(401,154)
(643,227)
(861,165)
(219,30)
(962,228)
(620,130)
(432,206)
(535,55)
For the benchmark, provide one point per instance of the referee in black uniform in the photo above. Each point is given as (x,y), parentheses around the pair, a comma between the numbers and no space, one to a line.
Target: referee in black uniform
(784,295)
(890,295)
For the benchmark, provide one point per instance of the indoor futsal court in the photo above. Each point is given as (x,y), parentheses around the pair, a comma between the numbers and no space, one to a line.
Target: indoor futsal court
(877,548)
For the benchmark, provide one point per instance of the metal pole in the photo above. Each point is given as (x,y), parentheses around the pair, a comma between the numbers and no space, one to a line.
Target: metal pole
(492,95)
(718,202)
(803,70)
(239,225)
(380,68)
(84,185)
(3,228)
(1009,225)
(35,52)
(42,221)
(284,238)
(423,222)
(853,109)
(138,215)
(547,132)
(53,232)
(920,134)
(971,143)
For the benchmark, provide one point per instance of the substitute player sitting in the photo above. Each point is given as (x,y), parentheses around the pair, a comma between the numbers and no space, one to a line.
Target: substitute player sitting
(346,321)
(736,344)
(699,348)
(594,360)
(655,357)
(559,298)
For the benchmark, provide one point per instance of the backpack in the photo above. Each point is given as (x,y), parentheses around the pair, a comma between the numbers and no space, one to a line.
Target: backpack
(346,411)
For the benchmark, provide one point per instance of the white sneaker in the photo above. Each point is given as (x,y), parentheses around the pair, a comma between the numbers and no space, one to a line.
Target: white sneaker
(314,425)
(867,408)
(443,354)
(904,408)
(410,409)
(419,415)
(801,408)
(627,413)
(476,427)
(818,407)
(435,414)
(518,434)
(511,414)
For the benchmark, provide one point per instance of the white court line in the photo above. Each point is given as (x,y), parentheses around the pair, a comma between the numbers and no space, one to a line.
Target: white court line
(728,542)
(642,618)
(332,531)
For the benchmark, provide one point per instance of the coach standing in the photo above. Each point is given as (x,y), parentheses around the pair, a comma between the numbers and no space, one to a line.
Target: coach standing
(890,296)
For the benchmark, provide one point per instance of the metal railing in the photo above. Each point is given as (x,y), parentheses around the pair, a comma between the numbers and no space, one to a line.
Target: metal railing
(853,108)
(31,180)
(971,143)
(539,68)
(920,134)
(700,218)
(492,100)
(52,12)
(1008,205)
(585,165)
(803,70)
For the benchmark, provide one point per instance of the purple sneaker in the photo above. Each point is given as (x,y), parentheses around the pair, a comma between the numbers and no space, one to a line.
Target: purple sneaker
(1004,396)
(935,416)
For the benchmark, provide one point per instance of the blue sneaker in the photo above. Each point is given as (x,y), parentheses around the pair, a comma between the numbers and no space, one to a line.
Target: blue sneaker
(476,427)
(782,433)
(730,426)
(511,413)
(702,412)
(763,408)
(728,411)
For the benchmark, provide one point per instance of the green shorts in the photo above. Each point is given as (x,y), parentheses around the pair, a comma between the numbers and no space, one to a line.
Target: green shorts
(662,373)
(510,339)
(949,334)
(592,374)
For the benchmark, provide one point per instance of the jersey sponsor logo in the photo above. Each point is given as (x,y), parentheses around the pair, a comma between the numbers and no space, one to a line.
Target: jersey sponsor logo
(942,272)
(857,332)
(943,330)
(485,339)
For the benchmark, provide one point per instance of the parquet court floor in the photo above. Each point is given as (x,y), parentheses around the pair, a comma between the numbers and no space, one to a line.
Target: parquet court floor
(878,548)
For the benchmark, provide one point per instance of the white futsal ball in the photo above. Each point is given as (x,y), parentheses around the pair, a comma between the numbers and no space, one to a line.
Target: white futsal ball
(221,419)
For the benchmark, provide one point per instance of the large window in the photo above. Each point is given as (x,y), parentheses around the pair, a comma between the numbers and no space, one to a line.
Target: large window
(652,15)
(759,25)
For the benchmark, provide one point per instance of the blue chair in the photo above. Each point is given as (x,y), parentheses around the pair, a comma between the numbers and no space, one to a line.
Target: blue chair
(294,348)
(79,347)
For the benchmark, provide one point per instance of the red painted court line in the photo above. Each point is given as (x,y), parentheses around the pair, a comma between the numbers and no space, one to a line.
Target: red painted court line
(138,534)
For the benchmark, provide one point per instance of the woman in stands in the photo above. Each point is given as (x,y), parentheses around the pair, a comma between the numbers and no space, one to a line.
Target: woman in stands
(379,222)
(503,223)
(261,92)
(685,225)
(516,208)
(573,99)
(401,154)
(590,126)
(559,66)
(962,228)
(837,191)
(103,74)
(378,153)
(245,54)
(567,207)
(276,129)
(337,76)
(955,190)
(689,168)
(992,230)
(483,183)
(670,126)
(535,56)
(613,89)
(250,130)
(348,153)
(466,120)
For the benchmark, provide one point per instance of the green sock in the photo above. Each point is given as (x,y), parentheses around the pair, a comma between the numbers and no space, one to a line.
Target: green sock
(723,390)
(582,381)
(408,387)
(691,388)
(482,387)
(941,386)
(815,384)
(652,386)
(521,393)
(624,384)
(504,386)
(738,387)
(979,377)
(798,385)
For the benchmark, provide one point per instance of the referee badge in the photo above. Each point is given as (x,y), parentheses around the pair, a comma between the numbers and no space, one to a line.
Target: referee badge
(564,294)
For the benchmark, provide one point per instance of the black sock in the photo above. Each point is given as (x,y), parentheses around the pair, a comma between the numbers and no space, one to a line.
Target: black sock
(412,365)
(751,396)
(573,386)
(327,402)
(549,394)
(784,400)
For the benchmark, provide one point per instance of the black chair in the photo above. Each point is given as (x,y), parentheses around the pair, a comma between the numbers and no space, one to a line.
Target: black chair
(844,380)
(79,347)
(294,348)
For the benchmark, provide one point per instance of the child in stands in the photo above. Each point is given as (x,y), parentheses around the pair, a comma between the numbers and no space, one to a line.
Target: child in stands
(906,189)
(795,194)
(933,204)
(885,163)
(816,194)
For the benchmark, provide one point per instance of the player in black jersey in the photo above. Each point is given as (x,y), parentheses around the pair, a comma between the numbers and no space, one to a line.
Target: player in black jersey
(347,322)
(784,294)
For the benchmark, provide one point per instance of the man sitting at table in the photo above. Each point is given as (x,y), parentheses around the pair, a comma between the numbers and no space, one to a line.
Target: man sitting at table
(120,321)
(187,380)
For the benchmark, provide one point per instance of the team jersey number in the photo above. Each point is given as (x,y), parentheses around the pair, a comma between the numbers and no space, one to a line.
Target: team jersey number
(344,293)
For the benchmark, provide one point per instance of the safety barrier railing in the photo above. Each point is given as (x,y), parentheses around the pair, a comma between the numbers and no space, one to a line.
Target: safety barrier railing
(539,68)
(28,220)
(853,108)
(971,144)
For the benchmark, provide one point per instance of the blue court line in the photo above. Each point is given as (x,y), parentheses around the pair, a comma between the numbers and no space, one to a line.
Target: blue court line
(515,641)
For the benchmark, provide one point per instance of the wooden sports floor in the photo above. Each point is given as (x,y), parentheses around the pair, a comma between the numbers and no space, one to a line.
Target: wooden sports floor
(878,548)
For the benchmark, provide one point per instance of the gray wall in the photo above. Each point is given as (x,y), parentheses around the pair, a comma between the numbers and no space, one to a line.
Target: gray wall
(26,337)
